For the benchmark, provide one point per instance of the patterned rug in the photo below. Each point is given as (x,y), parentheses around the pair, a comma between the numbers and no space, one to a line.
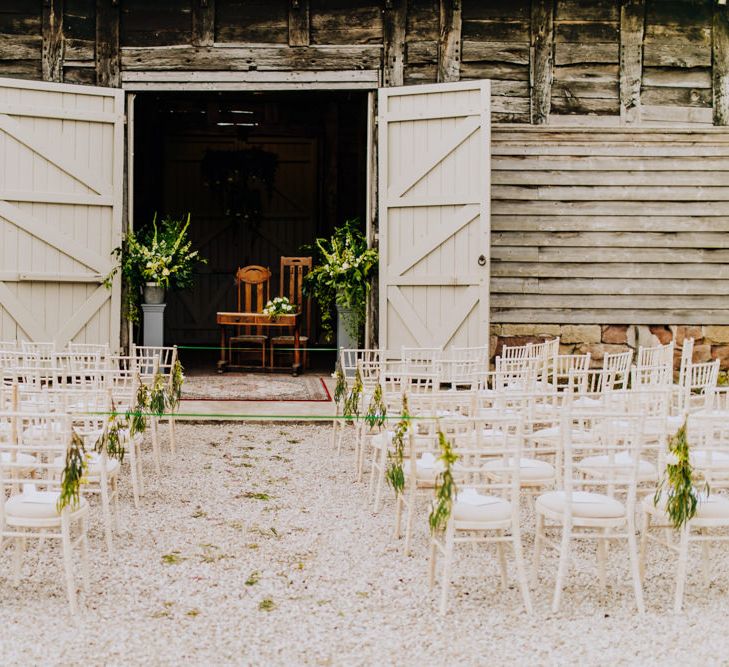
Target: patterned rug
(254,387)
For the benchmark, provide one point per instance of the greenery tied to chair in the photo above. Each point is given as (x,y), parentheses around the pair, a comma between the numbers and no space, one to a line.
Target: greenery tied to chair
(178,379)
(352,402)
(111,439)
(445,487)
(136,417)
(376,410)
(340,389)
(678,484)
(73,474)
(394,473)
(158,396)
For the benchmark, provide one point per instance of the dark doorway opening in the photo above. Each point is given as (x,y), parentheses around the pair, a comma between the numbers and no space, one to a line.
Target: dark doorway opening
(211,155)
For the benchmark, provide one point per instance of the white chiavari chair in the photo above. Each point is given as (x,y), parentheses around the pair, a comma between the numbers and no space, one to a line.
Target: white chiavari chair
(486,508)
(708,438)
(28,498)
(597,502)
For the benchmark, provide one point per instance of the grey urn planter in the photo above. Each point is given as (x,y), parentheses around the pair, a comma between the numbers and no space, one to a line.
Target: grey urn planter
(154,293)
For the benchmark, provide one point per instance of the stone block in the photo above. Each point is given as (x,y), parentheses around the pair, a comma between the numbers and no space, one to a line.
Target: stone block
(702,353)
(644,337)
(717,334)
(615,334)
(721,352)
(599,350)
(580,333)
(662,333)
(536,330)
(682,332)
(493,342)
(514,341)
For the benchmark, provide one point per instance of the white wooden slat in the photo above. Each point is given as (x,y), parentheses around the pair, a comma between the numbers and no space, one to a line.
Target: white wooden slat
(61,113)
(607,316)
(534,193)
(63,162)
(49,277)
(611,240)
(608,223)
(602,269)
(24,318)
(579,286)
(81,317)
(56,197)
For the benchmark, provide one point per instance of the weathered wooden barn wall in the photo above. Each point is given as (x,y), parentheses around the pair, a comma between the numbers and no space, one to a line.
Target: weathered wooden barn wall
(557,61)
(591,225)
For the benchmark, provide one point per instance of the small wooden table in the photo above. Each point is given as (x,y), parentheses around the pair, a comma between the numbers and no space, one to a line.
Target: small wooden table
(226,321)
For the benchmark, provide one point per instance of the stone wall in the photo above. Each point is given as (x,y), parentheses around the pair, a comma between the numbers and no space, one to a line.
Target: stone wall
(710,342)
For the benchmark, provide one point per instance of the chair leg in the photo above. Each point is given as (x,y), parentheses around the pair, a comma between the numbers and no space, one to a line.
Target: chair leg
(18,553)
(446,574)
(538,545)
(601,561)
(398,516)
(681,570)
(409,521)
(155,446)
(644,529)
(564,554)
(706,558)
(133,469)
(432,563)
(521,573)
(502,562)
(115,500)
(380,479)
(173,436)
(68,563)
(85,557)
(635,568)
(106,509)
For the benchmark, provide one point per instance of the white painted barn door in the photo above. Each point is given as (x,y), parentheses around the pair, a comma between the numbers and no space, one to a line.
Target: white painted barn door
(61,179)
(434,193)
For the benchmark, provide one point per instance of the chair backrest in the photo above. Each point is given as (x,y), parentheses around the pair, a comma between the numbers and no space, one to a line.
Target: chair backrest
(465,366)
(8,345)
(654,356)
(698,384)
(417,359)
(291,285)
(254,291)
(708,438)
(566,366)
(348,358)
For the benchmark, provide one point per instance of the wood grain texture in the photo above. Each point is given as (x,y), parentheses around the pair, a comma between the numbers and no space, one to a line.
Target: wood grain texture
(203,22)
(108,67)
(449,41)
(632,28)
(52,57)
(394,24)
(542,40)
(299,23)
(720,49)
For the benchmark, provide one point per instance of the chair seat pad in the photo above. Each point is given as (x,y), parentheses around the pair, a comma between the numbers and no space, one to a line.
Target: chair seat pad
(585,505)
(621,465)
(712,506)
(712,459)
(473,507)
(285,340)
(587,402)
(552,433)
(20,457)
(249,339)
(94,464)
(34,506)
(530,470)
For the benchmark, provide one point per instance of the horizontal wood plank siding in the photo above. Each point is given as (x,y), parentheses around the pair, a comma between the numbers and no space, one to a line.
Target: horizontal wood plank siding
(619,226)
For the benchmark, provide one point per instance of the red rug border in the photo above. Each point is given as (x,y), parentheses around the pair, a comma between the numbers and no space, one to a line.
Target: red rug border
(328,399)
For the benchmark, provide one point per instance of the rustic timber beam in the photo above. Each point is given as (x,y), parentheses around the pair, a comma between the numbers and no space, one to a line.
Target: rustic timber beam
(720,52)
(632,29)
(449,41)
(52,56)
(203,22)
(299,23)
(108,69)
(394,23)
(542,59)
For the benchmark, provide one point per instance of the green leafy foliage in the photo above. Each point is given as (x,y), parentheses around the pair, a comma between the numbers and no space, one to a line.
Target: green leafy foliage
(394,473)
(111,439)
(376,410)
(445,487)
(343,270)
(163,256)
(158,395)
(175,392)
(340,390)
(73,473)
(137,418)
(352,402)
(678,484)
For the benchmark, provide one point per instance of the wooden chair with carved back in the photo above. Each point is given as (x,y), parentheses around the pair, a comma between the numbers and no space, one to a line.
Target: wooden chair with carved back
(254,287)
(291,285)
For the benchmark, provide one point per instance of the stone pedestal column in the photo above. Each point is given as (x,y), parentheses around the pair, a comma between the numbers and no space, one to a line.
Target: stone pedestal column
(154,323)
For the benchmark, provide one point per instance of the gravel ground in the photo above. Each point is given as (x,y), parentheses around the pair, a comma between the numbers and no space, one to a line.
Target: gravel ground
(209,571)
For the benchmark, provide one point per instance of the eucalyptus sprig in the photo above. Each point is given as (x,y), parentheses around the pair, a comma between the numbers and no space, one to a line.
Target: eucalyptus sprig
(340,390)
(73,473)
(111,440)
(376,410)
(351,403)
(175,391)
(136,417)
(158,396)
(445,486)
(678,484)
(394,473)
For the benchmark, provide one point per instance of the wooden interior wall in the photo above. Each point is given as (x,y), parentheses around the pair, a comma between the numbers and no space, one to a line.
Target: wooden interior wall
(550,61)
(611,226)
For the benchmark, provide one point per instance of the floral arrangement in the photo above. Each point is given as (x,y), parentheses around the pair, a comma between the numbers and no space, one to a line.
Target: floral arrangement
(162,255)
(279,306)
(343,269)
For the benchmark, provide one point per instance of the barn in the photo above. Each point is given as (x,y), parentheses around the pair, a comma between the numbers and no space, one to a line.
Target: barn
(527,168)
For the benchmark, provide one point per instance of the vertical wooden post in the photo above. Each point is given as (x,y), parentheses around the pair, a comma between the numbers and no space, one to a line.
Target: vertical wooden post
(108,67)
(449,41)
(203,22)
(542,59)
(720,53)
(632,28)
(52,58)
(394,22)
(331,170)
(299,23)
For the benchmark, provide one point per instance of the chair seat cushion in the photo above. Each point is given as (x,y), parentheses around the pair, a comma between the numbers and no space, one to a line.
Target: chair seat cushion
(585,505)
(621,465)
(530,470)
(94,464)
(20,457)
(712,506)
(709,459)
(472,507)
(552,433)
(288,340)
(249,339)
(35,505)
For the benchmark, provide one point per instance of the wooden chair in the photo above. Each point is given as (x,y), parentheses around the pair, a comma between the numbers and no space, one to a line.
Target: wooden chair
(254,283)
(291,285)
